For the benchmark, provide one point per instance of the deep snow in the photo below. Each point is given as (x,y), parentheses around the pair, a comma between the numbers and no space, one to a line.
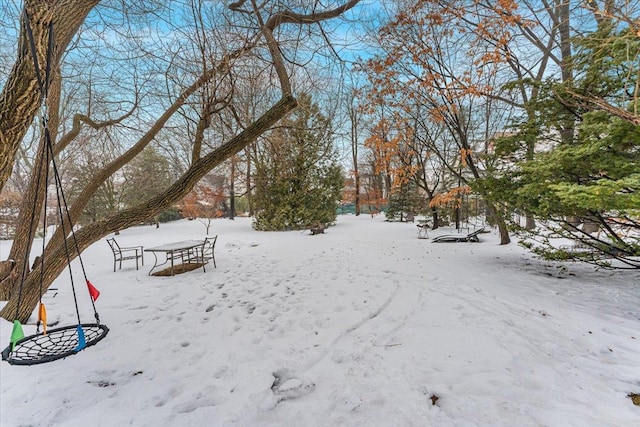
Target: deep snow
(365,325)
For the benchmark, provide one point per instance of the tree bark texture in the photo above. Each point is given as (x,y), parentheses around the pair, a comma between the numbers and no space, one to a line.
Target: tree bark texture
(499,220)
(20,97)
(34,198)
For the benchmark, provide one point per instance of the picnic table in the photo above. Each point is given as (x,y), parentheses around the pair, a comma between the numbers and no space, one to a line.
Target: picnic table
(184,251)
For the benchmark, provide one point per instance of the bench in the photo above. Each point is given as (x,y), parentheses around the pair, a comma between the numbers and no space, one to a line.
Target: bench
(206,252)
(471,237)
(125,253)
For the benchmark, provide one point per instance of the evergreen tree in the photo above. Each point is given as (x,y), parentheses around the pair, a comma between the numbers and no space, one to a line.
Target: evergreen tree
(146,176)
(105,199)
(404,202)
(591,183)
(297,175)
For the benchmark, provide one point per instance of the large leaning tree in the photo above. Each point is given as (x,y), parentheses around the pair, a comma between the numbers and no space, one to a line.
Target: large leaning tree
(261,32)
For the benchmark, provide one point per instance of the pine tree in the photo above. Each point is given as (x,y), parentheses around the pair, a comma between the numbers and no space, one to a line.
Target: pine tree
(146,176)
(404,202)
(591,182)
(298,179)
(105,199)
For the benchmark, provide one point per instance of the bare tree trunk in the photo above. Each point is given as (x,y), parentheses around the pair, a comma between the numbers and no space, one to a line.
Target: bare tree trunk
(357,191)
(434,218)
(249,156)
(34,198)
(499,220)
(20,97)
(354,117)
(491,207)
(530,222)
(568,123)
(232,192)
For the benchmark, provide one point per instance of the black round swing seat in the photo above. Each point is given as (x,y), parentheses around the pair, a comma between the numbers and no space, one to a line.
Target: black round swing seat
(56,344)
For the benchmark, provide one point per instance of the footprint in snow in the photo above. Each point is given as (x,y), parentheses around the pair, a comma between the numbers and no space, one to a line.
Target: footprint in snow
(285,388)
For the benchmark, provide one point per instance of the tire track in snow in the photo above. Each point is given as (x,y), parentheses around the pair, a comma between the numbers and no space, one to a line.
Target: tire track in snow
(406,300)
(371,316)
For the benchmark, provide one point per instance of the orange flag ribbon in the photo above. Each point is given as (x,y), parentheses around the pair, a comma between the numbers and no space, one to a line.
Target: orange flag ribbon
(42,317)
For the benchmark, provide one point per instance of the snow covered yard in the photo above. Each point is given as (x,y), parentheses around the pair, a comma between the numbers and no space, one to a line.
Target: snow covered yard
(365,325)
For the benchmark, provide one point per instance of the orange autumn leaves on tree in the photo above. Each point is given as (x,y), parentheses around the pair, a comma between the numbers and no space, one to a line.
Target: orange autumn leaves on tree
(435,63)
(388,143)
(417,63)
(441,64)
(465,156)
(202,202)
(453,197)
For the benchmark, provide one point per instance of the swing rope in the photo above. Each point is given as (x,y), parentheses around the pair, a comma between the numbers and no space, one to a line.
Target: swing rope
(44,95)
(93,292)
(65,341)
(44,160)
(42,312)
